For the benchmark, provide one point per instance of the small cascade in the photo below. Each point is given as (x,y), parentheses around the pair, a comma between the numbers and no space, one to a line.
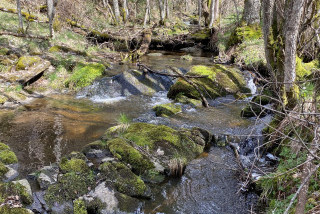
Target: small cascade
(58,131)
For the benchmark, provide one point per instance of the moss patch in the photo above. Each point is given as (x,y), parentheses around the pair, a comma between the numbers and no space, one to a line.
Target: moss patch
(220,81)
(79,207)
(125,152)
(166,110)
(27,61)
(84,75)
(305,69)
(185,100)
(3,169)
(9,189)
(124,180)
(74,165)
(6,155)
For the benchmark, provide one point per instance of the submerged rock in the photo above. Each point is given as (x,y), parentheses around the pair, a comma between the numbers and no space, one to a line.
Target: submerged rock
(48,175)
(220,81)
(167,110)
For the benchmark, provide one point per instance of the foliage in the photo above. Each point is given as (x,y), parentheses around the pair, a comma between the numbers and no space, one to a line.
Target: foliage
(79,207)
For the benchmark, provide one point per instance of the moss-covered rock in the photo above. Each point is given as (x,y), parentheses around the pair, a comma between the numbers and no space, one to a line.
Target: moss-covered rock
(79,207)
(245,33)
(4,51)
(122,150)
(27,61)
(166,110)
(69,187)
(10,188)
(185,100)
(3,169)
(7,210)
(6,155)
(74,165)
(124,180)
(220,81)
(84,75)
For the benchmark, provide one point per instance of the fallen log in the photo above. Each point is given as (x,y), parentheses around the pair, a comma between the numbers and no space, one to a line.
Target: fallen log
(6,33)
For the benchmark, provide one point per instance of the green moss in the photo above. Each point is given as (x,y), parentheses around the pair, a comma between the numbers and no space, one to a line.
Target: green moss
(3,169)
(74,165)
(7,210)
(201,35)
(4,51)
(125,152)
(144,134)
(245,33)
(84,75)
(124,179)
(55,48)
(305,69)
(27,61)
(8,157)
(69,187)
(166,110)
(10,188)
(79,207)
(180,98)
(4,146)
(220,81)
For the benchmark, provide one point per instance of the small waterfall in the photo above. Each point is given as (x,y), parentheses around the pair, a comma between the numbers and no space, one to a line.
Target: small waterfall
(250,82)
(58,131)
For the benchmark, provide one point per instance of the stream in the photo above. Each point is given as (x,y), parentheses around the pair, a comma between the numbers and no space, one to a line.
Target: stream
(50,127)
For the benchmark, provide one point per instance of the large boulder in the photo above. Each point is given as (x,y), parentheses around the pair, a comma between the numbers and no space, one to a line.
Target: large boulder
(220,81)
(128,83)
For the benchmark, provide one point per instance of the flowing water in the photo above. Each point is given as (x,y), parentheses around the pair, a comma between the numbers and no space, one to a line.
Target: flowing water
(56,125)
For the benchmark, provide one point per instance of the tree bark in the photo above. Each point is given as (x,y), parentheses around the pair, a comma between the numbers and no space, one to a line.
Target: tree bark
(167,9)
(126,10)
(251,12)
(20,16)
(51,13)
(116,10)
(147,14)
(216,9)
(293,13)
(162,11)
(200,11)
(212,15)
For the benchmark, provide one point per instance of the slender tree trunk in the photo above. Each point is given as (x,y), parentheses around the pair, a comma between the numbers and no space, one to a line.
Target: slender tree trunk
(51,12)
(251,12)
(20,16)
(293,13)
(105,3)
(126,10)
(212,15)
(162,11)
(147,14)
(116,10)
(200,11)
(167,9)
(216,9)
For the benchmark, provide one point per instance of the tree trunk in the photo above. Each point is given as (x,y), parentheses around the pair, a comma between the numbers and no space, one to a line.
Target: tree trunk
(216,9)
(212,15)
(147,14)
(116,10)
(51,12)
(126,11)
(251,12)
(293,13)
(162,11)
(20,16)
(200,11)
(167,9)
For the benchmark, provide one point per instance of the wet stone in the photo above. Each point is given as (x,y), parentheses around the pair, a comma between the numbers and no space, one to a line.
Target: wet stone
(48,175)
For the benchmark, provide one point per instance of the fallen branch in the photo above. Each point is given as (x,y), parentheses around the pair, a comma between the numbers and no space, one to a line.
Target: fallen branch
(6,33)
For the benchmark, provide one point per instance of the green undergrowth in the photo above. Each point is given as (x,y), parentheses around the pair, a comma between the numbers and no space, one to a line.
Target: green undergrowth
(12,189)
